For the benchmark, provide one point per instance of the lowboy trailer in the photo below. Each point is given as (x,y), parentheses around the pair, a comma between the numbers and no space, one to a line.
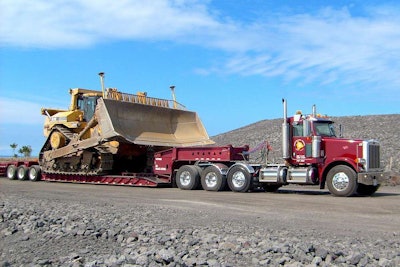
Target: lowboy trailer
(185,163)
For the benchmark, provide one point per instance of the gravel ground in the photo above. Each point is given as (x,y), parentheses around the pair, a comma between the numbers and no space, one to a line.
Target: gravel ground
(40,231)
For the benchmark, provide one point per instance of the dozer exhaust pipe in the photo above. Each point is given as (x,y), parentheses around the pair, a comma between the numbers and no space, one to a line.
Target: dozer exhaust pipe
(101,74)
(172,87)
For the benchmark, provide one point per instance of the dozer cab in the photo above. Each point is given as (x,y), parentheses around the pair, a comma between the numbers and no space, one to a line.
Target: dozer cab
(109,131)
(60,125)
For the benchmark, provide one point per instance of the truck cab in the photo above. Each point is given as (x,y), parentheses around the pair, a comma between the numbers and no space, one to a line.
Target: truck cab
(314,154)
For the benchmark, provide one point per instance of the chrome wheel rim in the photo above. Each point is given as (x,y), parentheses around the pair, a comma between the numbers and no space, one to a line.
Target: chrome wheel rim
(20,173)
(32,174)
(10,172)
(340,181)
(238,179)
(184,178)
(211,179)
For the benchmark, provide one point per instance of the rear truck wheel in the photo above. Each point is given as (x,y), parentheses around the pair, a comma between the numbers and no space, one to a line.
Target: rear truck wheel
(12,172)
(271,187)
(212,179)
(342,181)
(34,173)
(367,190)
(239,179)
(22,173)
(188,177)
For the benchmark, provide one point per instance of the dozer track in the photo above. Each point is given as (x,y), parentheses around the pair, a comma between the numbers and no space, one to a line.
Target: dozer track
(86,162)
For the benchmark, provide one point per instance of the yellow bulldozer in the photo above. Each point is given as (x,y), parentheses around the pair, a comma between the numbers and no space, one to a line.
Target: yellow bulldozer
(109,131)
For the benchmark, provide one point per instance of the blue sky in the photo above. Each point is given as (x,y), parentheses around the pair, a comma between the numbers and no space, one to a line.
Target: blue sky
(231,61)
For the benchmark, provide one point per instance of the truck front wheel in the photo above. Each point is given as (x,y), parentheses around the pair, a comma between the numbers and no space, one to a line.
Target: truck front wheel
(342,181)
(212,179)
(239,179)
(188,177)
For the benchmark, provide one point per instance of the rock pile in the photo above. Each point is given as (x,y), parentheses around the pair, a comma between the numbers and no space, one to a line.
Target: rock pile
(42,233)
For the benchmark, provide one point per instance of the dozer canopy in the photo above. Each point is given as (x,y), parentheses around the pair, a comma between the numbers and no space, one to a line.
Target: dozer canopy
(149,124)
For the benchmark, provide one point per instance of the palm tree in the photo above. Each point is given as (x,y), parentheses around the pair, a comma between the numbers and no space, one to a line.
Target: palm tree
(26,151)
(14,146)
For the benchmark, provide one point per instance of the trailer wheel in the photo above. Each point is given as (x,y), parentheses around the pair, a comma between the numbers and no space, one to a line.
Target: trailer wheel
(212,179)
(188,177)
(34,173)
(22,173)
(239,179)
(341,181)
(366,190)
(12,172)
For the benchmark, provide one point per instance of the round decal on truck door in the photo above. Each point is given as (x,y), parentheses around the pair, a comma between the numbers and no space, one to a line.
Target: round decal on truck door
(299,145)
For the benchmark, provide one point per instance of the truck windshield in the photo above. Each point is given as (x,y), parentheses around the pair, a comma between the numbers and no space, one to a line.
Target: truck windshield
(324,129)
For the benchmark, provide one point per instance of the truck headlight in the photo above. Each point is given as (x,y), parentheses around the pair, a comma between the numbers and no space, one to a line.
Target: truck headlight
(361,161)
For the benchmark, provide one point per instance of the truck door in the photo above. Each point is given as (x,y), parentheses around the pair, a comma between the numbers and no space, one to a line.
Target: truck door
(302,145)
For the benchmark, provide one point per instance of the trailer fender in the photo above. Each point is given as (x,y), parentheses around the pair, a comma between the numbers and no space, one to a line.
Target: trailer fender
(249,168)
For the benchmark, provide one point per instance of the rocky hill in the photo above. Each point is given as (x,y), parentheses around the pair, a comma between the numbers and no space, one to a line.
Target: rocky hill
(384,128)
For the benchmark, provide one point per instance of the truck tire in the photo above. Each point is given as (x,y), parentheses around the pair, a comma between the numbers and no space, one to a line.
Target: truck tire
(34,173)
(239,179)
(366,190)
(22,173)
(342,181)
(12,172)
(212,179)
(188,177)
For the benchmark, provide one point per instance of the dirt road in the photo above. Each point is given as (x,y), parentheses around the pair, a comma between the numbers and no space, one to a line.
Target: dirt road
(291,208)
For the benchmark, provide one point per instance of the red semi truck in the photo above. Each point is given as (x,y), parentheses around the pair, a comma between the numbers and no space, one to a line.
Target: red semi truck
(312,155)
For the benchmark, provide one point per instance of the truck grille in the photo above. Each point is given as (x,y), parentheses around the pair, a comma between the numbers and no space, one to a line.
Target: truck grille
(372,155)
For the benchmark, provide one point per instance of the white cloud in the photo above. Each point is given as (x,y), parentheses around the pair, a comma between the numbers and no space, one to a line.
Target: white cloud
(78,23)
(15,111)
(327,46)
(330,46)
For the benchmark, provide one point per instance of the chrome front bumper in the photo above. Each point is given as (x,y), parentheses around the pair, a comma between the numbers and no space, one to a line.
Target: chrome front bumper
(372,178)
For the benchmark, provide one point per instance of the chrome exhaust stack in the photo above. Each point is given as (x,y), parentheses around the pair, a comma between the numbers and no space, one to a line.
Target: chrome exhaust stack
(314,111)
(285,133)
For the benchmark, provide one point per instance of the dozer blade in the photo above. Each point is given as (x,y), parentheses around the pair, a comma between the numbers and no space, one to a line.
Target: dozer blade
(150,125)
